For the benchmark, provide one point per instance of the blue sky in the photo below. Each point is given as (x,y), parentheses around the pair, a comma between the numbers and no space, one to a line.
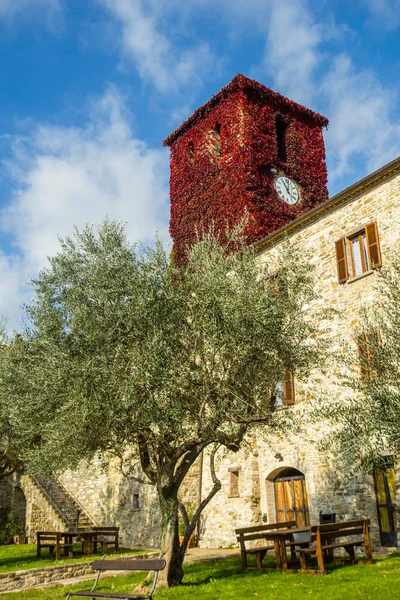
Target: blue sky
(89,89)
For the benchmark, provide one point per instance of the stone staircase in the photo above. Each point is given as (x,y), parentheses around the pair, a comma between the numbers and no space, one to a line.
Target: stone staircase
(71,513)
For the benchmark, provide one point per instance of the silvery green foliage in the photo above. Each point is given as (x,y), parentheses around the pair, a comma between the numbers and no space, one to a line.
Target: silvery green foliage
(125,351)
(365,417)
(13,442)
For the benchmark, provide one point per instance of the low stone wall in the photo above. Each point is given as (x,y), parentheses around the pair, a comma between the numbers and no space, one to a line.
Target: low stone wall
(18,580)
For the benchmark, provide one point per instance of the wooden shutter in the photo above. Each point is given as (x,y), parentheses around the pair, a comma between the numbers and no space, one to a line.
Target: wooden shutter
(341,260)
(374,252)
(364,355)
(288,388)
(367,344)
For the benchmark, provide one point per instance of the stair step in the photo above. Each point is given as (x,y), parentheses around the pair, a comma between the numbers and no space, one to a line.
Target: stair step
(57,496)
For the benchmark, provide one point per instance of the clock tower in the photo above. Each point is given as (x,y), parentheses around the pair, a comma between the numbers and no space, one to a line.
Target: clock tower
(248,149)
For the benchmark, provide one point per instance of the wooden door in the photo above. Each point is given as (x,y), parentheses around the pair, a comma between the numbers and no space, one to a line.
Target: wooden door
(291,500)
(385,489)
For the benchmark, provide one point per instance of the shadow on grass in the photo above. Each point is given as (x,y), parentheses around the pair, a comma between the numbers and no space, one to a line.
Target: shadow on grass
(203,573)
(29,559)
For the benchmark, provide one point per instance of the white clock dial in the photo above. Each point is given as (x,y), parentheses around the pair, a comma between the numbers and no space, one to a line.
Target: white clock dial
(287,190)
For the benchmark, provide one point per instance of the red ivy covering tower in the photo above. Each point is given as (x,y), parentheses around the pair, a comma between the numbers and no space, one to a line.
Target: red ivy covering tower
(242,151)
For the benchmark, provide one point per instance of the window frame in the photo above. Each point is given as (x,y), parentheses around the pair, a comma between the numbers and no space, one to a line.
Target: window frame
(234,481)
(344,251)
(367,342)
(288,390)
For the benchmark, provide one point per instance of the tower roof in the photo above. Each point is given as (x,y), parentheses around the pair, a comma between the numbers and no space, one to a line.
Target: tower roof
(240,82)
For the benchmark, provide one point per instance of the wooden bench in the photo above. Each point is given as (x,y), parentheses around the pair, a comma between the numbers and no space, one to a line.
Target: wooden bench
(345,534)
(256,532)
(121,564)
(106,536)
(54,540)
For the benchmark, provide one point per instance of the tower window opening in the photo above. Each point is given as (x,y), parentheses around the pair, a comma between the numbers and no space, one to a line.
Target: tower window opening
(281,127)
(215,142)
(191,152)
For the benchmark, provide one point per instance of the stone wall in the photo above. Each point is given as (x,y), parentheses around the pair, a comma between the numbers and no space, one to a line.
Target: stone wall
(113,499)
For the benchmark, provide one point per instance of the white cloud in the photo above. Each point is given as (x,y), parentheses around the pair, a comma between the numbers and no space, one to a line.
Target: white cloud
(291,50)
(71,176)
(158,59)
(364,129)
(385,14)
(362,125)
(48,12)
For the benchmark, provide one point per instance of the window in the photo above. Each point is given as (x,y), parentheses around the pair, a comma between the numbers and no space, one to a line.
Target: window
(234,482)
(367,346)
(280,125)
(385,489)
(191,152)
(215,142)
(284,390)
(362,248)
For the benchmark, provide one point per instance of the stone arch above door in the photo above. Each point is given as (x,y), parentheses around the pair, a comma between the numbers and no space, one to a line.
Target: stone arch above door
(287,498)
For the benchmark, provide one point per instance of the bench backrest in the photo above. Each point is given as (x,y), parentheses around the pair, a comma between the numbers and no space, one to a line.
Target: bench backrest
(108,532)
(255,532)
(47,536)
(331,531)
(129,564)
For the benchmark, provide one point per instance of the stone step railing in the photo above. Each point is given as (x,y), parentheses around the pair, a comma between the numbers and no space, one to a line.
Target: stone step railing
(72,513)
(63,514)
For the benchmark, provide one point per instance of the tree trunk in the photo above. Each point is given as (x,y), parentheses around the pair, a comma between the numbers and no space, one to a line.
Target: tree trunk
(173,572)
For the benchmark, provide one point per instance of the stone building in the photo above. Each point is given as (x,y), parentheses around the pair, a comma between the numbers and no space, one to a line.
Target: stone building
(251,149)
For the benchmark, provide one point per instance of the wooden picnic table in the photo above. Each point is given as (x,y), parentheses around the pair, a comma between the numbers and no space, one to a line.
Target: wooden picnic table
(87,538)
(104,536)
(280,537)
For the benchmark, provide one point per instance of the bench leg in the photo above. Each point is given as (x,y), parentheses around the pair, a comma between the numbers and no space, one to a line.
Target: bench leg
(367,544)
(351,553)
(320,559)
(259,558)
(282,547)
(303,561)
(278,554)
(244,560)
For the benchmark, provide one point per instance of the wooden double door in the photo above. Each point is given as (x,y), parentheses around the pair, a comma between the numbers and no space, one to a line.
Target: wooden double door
(385,488)
(291,501)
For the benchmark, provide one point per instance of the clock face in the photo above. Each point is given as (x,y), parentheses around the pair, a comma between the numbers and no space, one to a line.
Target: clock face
(287,190)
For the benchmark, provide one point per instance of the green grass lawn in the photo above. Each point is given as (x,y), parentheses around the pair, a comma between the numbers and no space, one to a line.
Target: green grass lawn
(223,579)
(23,556)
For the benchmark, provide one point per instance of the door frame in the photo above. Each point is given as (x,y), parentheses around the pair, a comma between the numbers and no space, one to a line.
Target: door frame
(304,510)
(388,538)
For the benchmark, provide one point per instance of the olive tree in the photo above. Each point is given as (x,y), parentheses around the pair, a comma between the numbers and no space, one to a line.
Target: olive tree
(127,355)
(11,443)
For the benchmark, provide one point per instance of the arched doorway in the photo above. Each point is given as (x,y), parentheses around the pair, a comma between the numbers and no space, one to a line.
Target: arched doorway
(291,502)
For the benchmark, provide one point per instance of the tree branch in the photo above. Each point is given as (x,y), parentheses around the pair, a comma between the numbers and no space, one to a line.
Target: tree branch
(145,460)
(189,526)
